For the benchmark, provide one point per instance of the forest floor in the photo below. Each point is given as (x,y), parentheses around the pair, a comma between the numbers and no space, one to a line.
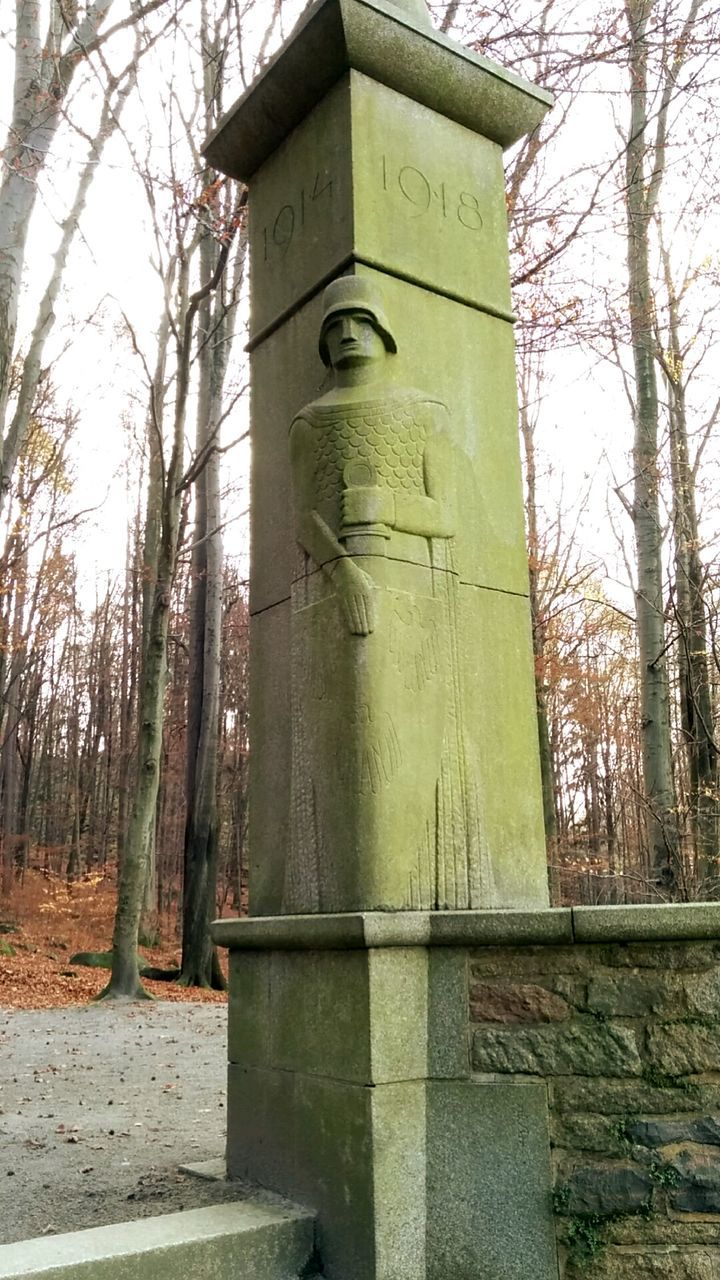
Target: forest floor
(99,1103)
(52,920)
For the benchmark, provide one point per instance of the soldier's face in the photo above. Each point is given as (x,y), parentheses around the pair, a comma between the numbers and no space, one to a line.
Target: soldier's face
(352,340)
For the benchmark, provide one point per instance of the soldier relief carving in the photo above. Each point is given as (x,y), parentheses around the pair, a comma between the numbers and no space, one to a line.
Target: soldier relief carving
(386,812)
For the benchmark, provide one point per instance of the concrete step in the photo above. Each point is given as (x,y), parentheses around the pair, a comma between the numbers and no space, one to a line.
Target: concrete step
(243,1241)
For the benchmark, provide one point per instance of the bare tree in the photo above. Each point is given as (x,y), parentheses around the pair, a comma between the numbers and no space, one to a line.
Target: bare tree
(47,67)
(192,331)
(659,44)
(217,316)
(682,344)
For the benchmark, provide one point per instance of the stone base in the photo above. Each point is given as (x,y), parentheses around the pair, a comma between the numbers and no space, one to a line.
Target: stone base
(394,1071)
(246,1241)
(350,1091)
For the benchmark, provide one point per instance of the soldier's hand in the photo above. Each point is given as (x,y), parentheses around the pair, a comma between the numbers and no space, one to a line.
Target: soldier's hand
(356,590)
(369,504)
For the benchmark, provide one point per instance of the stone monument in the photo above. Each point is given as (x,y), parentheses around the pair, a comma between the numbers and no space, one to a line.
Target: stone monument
(395,792)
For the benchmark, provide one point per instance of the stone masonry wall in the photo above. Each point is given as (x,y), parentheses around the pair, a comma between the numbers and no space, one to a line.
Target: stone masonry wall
(627,1037)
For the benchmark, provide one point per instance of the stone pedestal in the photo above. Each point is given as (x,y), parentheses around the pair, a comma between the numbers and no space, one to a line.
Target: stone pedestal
(593,1039)
(350,1091)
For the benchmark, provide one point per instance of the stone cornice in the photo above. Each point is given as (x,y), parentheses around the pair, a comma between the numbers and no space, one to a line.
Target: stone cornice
(376,39)
(665,922)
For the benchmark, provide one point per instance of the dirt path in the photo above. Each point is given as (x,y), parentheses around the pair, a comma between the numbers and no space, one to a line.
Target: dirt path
(99,1105)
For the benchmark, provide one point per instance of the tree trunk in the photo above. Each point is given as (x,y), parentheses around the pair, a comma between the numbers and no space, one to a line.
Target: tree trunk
(13,698)
(131,643)
(661,813)
(152,551)
(159,561)
(696,707)
(200,966)
(125,978)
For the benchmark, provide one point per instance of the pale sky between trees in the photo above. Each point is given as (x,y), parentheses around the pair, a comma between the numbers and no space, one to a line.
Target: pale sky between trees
(583,432)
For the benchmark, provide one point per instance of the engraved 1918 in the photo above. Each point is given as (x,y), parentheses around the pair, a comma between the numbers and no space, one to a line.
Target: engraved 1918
(278,235)
(423,195)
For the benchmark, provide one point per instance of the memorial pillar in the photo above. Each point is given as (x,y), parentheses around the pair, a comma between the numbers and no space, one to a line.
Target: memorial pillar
(395,799)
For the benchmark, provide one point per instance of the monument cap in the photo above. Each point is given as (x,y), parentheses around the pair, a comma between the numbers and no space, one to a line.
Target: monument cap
(354,293)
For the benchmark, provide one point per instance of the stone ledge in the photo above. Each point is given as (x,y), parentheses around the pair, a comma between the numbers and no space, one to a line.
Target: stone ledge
(207,1170)
(364,929)
(386,45)
(655,922)
(556,926)
(241,1241)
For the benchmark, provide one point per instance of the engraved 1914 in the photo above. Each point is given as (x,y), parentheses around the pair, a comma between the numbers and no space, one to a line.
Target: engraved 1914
(289,221)
(423,195)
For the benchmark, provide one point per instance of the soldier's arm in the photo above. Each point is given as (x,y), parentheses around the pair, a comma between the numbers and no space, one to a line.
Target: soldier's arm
(432,514)
(315,536)
(312,532)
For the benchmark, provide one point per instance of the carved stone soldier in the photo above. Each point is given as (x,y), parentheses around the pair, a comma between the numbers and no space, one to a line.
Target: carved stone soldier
(367,457)
(381,791)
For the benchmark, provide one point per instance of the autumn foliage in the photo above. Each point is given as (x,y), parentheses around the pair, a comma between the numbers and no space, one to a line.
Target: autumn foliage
(50,920)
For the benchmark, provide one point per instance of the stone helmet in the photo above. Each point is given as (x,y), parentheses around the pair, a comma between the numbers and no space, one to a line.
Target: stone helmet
(352,294)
